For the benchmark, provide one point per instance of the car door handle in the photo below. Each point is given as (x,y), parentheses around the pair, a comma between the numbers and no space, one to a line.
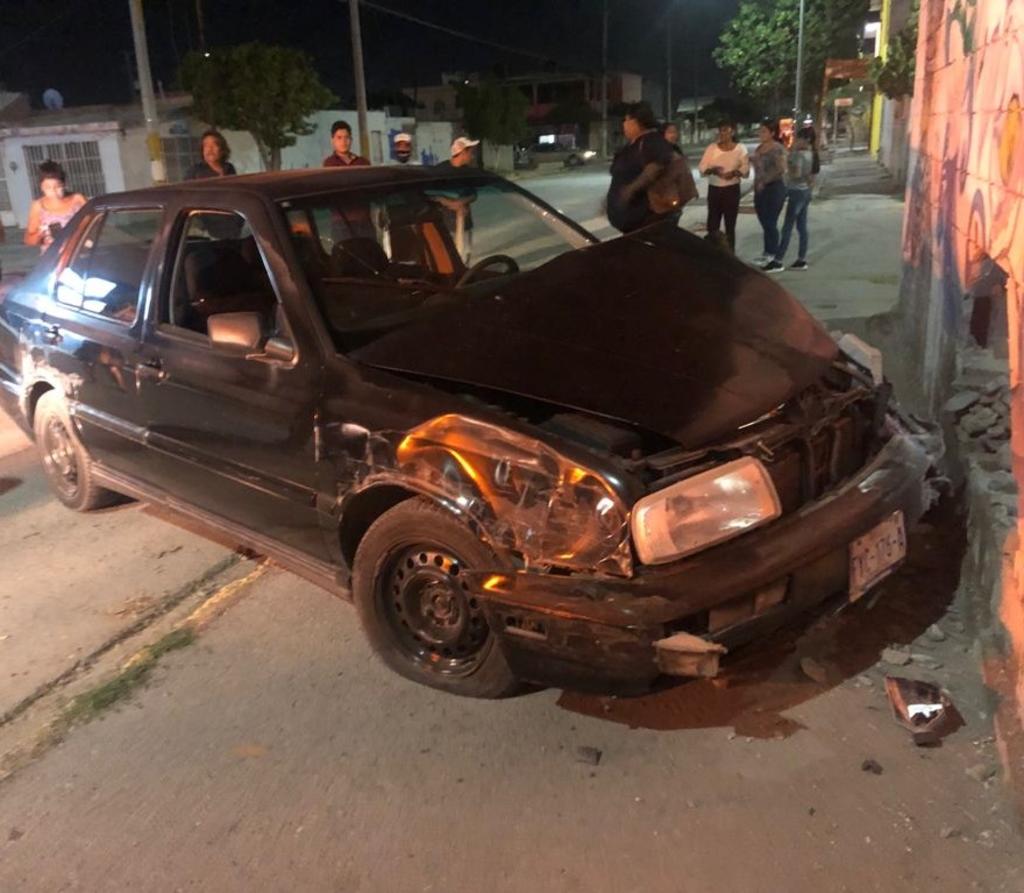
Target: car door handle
(152,369)
(52,335)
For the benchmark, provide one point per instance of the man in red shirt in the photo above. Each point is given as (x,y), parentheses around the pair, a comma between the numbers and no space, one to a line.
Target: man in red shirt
(343,156)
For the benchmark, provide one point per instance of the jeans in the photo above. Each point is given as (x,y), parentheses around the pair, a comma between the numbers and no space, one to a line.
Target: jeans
(797,202)
(724,205)
(768,204)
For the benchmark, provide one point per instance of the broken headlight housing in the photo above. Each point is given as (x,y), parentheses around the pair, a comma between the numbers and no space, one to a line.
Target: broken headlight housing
(704,510)
(524,494)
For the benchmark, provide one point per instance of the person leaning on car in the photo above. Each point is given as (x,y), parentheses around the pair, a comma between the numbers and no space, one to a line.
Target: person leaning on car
(636,166)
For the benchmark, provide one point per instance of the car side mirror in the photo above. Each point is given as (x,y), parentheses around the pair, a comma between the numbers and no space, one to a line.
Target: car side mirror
(235,332)
(242,334)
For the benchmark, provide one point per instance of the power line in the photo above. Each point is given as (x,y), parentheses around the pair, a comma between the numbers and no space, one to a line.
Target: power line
(416,20)
(49,24)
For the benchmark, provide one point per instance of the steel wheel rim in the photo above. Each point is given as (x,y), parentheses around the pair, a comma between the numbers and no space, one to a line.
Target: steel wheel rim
(431,613)
(60,457)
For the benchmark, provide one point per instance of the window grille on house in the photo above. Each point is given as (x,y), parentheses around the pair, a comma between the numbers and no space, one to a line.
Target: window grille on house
(81,163)
(180,153)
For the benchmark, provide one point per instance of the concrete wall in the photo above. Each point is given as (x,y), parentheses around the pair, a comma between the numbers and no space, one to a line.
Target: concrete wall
(893,150)
(964,222)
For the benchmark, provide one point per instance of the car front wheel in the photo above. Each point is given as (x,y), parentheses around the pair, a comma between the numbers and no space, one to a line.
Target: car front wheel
(418,611)
(66,463)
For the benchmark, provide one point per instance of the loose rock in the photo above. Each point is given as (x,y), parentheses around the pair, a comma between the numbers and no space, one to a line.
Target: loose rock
(872,766)
(935,633)
(962,401)
(948,832)
(814,670)
(978,421)
(981,772)
(589,755)
(896,657)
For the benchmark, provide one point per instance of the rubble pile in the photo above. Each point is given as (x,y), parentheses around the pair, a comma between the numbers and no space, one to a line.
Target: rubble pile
(980,412)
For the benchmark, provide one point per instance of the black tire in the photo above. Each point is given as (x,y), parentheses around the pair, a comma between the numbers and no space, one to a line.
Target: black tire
(66,464)
(419,618)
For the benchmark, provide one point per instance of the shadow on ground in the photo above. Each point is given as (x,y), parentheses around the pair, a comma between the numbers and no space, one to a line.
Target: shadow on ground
(759,683)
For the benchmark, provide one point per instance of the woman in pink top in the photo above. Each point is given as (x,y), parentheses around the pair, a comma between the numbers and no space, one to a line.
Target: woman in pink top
(49,214)
(725,163)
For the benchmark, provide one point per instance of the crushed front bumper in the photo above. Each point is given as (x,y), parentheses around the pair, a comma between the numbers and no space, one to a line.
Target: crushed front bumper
(606,633)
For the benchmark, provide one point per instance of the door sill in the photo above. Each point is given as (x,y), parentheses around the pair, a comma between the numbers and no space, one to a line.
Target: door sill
(321,573)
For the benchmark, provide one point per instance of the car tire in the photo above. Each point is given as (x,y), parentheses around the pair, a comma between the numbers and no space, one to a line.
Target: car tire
(66,464)
(420,619)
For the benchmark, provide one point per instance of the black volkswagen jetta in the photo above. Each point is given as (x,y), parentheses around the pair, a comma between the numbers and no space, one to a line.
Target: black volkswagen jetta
(524,454)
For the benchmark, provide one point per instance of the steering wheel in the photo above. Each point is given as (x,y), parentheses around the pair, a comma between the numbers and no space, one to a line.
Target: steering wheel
(511,267)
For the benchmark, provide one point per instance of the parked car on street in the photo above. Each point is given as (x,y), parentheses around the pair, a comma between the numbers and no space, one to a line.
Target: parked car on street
(555,153)
(526,455)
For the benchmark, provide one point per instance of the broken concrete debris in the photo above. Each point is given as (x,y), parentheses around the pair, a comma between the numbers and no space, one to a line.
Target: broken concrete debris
(896,656)
(981,772)
(961,402)
(814,670)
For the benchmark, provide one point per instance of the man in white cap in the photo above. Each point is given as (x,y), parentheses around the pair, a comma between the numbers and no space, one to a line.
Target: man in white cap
(463,153)
(403,148)
(458,216)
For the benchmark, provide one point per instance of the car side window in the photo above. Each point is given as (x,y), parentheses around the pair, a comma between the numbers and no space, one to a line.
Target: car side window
(105,274)
(218,269)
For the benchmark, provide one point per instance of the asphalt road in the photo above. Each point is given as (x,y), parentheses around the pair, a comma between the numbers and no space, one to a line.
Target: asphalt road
(276,753)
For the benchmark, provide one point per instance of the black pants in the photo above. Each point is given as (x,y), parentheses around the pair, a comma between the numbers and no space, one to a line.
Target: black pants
(724,204)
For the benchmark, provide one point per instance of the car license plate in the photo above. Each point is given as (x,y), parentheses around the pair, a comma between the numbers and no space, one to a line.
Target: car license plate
(876,554)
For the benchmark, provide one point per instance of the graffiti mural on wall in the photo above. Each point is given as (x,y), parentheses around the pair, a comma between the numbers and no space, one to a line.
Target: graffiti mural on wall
(966,190)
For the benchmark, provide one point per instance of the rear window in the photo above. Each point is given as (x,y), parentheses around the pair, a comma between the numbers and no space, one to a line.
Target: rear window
(105,274)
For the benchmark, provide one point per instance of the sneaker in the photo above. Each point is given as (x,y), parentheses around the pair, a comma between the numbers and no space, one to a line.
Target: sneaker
(773,267)
(760,260)
(798,265)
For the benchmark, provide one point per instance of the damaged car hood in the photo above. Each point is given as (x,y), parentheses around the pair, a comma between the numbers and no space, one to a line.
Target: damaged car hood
(674,337)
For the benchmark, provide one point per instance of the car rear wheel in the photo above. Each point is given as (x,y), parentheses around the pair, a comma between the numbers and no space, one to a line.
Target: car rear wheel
(424,621)
(66,464)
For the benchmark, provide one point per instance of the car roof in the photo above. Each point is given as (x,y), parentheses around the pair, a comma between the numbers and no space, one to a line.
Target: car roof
(279,185)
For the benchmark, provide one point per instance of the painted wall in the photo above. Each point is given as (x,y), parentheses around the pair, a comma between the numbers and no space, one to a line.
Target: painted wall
(966,171)
(965,211)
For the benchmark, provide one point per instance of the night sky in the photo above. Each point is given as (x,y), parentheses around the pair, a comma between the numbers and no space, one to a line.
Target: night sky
(83,47)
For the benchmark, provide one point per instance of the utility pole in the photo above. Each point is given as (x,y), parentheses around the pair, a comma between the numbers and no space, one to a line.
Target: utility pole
(156,156)
(669,111)
(357,64)
(799,64)
(604,83)
(201,26)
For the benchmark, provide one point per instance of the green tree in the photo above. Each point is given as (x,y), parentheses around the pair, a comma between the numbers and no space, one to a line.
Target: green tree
(494,112)
(268,91)
(895,76)
(759,45)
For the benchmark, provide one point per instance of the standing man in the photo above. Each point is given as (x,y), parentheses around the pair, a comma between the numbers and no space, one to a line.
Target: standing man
(341,140)
(636,166)
(403,148)
(458,216)
(463,153)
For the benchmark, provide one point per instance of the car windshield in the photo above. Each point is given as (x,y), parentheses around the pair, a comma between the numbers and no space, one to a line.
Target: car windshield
(377,260)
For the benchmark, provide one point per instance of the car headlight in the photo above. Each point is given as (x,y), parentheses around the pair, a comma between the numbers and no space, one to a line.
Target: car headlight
(703,510)
(525,494)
